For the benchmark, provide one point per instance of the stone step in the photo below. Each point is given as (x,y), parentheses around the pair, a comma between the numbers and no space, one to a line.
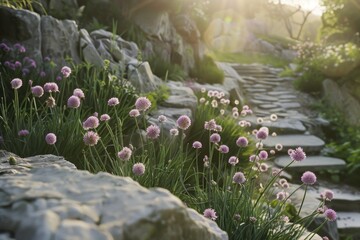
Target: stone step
(313,163)
(348,224)
(309,143)
(280,126)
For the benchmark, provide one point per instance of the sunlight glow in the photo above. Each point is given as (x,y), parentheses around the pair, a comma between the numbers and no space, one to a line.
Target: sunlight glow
(305,4)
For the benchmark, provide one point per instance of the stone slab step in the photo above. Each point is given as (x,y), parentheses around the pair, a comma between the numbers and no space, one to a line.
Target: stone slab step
(312,163)
(309,143)
(282,125)
(348,223)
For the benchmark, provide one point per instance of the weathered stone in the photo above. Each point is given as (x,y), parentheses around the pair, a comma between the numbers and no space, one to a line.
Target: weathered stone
(71,227)
(60,39)
(290,105)
(180,97)
(21,26)
(186,27)
(315,163)
(142,77)
(309,143)
(88,50)
(63,9)
(348,223)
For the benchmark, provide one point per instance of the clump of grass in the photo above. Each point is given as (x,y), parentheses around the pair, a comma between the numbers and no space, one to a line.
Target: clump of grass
(206,71)
(166,70)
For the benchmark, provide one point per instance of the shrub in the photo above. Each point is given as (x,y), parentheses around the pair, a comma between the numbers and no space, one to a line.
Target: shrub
(310,80)
(206,71)
(166,70)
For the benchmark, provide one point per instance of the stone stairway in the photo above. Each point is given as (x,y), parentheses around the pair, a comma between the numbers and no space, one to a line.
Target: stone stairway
(267,93)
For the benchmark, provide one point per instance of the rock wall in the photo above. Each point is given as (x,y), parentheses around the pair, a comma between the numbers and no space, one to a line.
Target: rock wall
(44,197)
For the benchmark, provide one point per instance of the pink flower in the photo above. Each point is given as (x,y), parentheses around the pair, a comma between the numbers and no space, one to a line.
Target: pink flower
(174,132)
(330,214)
(91,122)
(104,117)
(134,113)
(297,155)
(308,178)
(142,104)
(183,122)
(138,169)
(223,149)
(162,118)
(210,213)
(262,133)
(51,87)
(73,102)
(197,145)
(50,102)
(23,133)
(153,132)
(16,83)
(91,138)
(66,71)
(233,160)
(50,138)
(37,91)
(215,138)
(263,155)
(242,142)
(79,93)
(125,154)
(327,195)
(113,101)
(239,178)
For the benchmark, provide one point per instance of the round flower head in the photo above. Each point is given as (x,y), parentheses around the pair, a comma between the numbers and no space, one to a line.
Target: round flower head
(91,122)
(50,138)
(328,195)
(183,122)
(79,93)
(18,64)
(210,125)
(113,101)
(16,83)
(134,113)
(223,149)
(162,118)
(104,117)
(308,178)
(263,167)
(50,102)
(153,132)
(42,74)
(233,160)
(262,133)
(263,155)
(91,138)
(37,91)
(330,214)
(73,102)
(66,71)
(278,147)
(142,104)
(273,117)
(51,87)
(174,132)
(23,133)
(239,178)
(281,196)
(138,169)
(297,155)
(197,145)
(125,154)
(253,158)
(210,213)
(215,138)
(242,142)
(272,152)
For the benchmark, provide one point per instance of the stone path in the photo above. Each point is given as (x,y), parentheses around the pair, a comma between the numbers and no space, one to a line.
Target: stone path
(267,93)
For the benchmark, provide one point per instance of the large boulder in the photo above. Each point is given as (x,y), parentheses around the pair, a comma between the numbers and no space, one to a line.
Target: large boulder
(60,39)
(21,26)
(62,203)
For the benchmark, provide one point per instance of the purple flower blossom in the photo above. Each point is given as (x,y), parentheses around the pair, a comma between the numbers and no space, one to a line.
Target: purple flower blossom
(138,169)
(263,133)
(330,214)
(17,64)
(239,178)
(79,93)
(125,154)
(58,78)
(210,125)
(215,138)
(50,102)
(253,158)
(183,122)
(134,113)
(223,149)
(42,74)
(23,133)
(174,132)
(162,118)
(233,160)
(281,196)
(65,71)
(16,83)
(91,138)
(50,138)
(263,167)
(327,195)
(197,145)
(308,178)
(210,213)
(153,132)
(142,104)
(104,117)
(242,142)
(298,154)
(263,155)
(113,101)
(51,87)
(73,102)
(91,122)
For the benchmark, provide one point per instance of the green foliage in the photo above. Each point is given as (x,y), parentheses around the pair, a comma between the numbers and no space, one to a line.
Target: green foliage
(310,80)
(158,96)
(277,40)
(206,71)
(287,72)
(166,70)
(18,4)
(247,58)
